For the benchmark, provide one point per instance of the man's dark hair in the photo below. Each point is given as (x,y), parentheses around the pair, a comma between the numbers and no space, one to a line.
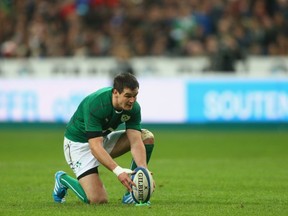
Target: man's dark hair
(125,80)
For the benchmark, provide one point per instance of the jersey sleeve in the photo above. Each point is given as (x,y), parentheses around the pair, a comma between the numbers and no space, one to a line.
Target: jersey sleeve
(135,121)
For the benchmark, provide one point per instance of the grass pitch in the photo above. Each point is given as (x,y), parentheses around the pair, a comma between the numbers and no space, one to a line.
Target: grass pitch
(197,172)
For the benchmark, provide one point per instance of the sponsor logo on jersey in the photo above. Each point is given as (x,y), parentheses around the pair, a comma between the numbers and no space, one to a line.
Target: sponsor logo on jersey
(125,118)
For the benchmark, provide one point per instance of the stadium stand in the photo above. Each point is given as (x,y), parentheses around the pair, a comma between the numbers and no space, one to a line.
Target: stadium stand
(233,28)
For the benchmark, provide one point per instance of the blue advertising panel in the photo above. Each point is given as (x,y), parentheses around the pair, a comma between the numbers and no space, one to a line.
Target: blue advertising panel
(232,100)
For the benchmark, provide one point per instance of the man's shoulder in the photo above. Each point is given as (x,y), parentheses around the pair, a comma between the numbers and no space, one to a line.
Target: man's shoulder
(136,106)
(103,92)
(99,100)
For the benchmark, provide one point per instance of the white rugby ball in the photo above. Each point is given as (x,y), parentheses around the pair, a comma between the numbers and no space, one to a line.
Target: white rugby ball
(143,180)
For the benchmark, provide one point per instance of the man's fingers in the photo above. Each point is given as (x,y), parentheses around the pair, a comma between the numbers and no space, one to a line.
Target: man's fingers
(133,184)
(126,181)
(127,184)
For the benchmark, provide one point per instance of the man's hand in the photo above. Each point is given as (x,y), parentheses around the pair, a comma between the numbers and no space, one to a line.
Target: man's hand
(123,175)
(125,179)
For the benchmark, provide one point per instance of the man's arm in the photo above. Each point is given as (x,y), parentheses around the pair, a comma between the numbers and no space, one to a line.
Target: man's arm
(100,154)
(106,160)
(137,147)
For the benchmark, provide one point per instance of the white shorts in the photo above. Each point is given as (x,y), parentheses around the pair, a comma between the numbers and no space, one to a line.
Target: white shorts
(79,157)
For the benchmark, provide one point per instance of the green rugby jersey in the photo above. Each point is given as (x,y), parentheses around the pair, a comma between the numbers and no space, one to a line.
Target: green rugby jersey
(96,114)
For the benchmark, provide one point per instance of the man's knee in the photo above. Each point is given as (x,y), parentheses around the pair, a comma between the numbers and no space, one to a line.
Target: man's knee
(147,136)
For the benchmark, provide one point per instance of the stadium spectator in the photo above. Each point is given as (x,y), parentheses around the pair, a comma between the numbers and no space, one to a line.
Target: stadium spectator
(53,28)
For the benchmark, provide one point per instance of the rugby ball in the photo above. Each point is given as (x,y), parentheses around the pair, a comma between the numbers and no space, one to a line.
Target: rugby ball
(143,180)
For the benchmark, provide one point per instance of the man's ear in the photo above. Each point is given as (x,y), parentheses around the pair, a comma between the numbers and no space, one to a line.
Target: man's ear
(114,91)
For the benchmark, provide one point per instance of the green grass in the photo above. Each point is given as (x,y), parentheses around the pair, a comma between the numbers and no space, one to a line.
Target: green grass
(197,172)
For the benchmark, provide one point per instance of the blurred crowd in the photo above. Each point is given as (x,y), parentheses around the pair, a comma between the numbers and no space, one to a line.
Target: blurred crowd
(226,29)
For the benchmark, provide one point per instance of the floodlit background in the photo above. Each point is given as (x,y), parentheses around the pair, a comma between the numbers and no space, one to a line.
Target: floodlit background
(213,90)
(197,61)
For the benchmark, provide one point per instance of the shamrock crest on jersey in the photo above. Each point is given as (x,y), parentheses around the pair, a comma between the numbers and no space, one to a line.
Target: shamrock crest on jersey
(125,118)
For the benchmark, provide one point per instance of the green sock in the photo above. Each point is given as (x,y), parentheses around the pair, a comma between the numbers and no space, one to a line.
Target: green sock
(149,150)
(75,186)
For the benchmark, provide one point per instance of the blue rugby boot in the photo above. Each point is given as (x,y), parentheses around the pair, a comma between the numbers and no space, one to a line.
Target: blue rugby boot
(60,190)
(128,199)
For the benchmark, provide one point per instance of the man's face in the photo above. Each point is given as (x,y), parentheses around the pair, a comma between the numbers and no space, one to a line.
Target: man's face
(126,99)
